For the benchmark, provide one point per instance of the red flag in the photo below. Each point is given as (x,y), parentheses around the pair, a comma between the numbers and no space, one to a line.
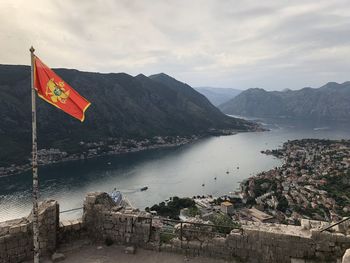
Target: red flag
(55,91)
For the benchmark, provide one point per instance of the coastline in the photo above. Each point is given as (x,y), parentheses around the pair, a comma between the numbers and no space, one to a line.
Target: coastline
(308,185)
(62,157)
(311,183)
(113,146)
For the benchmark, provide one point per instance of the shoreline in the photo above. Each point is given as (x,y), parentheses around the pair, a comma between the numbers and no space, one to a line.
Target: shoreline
(306,186)
(114,146)
(16,170)
(311,183)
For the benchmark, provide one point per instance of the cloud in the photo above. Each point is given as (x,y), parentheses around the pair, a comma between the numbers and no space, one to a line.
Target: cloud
(240,44)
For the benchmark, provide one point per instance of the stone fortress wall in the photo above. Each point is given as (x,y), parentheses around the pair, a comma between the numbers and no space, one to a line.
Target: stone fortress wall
(103,221)
(16,236)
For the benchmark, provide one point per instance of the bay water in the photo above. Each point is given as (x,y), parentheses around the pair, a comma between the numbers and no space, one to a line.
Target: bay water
(178,171)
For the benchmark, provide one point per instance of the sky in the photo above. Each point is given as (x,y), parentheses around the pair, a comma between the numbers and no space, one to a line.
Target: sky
(270,44)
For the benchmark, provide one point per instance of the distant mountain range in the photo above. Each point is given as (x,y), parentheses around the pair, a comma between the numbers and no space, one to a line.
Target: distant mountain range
(329,102)
(218,96)
(123,106)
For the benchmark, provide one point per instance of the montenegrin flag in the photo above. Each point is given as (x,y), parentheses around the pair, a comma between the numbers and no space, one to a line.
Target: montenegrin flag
(55,91)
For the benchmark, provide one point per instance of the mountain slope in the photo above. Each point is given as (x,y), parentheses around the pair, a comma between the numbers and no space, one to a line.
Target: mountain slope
(123,106)
(329,102)
(200,105)
(218,96)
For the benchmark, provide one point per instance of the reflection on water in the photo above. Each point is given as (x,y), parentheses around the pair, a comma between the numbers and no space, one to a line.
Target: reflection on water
(167,172)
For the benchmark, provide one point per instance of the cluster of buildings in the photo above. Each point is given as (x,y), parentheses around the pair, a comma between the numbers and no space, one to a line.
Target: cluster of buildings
(132,145)
(52,155)
(305,185)
(229,205)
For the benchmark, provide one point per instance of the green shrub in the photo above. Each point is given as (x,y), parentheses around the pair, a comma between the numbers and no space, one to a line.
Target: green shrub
(224,224)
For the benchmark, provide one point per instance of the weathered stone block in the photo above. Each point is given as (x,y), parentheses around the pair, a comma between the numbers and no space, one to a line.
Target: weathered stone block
(176,242)
(323,246)
(346,256)
(11,244)
(57,257)
(194,245)
(15,229)
(130,250)
(166,247)
(219,241)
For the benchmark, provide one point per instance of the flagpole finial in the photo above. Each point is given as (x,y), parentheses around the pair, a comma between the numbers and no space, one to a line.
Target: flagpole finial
(31,49)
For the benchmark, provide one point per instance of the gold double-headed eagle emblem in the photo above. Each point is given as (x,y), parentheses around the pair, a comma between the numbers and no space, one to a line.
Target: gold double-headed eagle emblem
(56,91)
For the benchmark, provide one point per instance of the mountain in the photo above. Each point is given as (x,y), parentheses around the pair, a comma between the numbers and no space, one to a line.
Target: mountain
(218,96)
(122,106)
(329,102)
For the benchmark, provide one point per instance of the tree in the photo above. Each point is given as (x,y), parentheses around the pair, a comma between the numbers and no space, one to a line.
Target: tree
(223,223)
(282,204)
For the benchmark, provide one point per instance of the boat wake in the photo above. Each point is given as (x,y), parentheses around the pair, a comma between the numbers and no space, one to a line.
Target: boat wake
(321,128)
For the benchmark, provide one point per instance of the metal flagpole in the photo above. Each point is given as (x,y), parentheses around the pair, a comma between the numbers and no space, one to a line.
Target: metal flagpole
(35,167)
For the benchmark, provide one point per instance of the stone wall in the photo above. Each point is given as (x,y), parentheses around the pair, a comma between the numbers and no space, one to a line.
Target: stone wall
(254,243)
(16,236)
(266,245)
(70,231)
(105,221)
(15,241)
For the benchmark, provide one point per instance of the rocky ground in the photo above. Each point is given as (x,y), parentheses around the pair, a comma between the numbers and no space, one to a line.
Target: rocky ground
(104,254)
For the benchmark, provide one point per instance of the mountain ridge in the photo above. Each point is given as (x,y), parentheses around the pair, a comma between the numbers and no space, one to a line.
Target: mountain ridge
(122,106)
(328,102)
(218,96)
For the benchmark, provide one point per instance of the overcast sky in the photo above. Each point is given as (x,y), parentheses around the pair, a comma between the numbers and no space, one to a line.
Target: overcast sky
(239,44)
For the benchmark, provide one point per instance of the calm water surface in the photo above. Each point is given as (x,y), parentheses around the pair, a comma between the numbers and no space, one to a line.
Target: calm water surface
(168,172)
